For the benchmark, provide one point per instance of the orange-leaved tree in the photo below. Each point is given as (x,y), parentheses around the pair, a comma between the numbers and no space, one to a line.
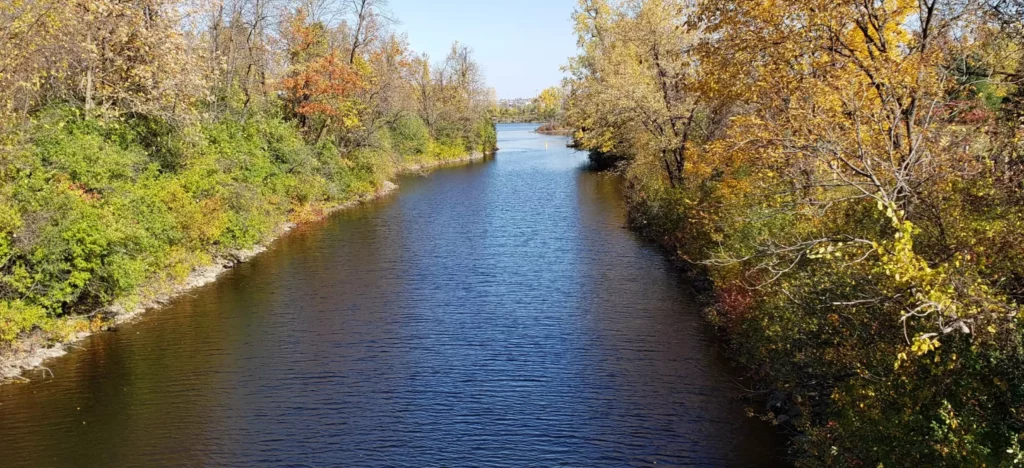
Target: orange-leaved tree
(321,85)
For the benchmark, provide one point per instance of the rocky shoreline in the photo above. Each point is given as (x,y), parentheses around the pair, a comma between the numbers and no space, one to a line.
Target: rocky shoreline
(31,351)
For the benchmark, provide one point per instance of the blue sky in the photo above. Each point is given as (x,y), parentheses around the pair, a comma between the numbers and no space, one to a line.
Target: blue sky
(521,44)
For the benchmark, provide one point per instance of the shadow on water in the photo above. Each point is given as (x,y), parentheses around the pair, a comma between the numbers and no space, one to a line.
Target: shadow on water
(493,314)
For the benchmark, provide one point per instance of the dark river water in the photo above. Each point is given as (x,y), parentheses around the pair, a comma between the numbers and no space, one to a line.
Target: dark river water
(494,314)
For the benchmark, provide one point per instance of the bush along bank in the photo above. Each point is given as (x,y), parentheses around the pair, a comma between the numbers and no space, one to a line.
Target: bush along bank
(96,224)
(854,193)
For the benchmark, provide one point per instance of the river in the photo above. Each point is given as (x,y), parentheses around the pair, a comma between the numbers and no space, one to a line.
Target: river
(492,314)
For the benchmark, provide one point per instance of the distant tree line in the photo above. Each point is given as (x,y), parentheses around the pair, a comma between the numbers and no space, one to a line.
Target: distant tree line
(545,107)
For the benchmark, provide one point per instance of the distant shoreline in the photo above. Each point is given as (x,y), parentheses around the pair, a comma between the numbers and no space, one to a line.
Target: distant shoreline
(554,129)
(544,127)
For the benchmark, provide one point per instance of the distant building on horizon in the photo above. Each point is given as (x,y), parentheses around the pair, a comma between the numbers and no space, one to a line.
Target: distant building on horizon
(520,104)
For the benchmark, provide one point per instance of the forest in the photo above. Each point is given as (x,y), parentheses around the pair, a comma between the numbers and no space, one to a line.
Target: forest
(850,176)
(141,139)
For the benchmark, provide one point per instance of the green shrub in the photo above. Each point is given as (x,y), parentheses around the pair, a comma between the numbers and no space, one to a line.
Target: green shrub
(17,317)
(485,137)
(90,161)
(410,136)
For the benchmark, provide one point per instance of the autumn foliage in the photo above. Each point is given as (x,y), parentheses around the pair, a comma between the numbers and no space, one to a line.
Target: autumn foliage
(321,86)
(849,175)
(140,139)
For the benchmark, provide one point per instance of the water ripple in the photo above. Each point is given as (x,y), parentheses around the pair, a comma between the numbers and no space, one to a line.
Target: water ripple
(497,314)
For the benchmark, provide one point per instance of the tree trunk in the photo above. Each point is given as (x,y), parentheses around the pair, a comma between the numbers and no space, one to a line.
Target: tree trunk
(89,75)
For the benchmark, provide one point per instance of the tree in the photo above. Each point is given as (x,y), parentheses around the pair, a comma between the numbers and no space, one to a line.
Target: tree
(549,102)
(370,23)
(451,96)
(104,54)
(320,87)
(388,91)
(639,60)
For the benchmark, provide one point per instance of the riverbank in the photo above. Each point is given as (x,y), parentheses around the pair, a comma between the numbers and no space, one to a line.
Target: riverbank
(545,127)
(778,406)
(553,129)
(32,350)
